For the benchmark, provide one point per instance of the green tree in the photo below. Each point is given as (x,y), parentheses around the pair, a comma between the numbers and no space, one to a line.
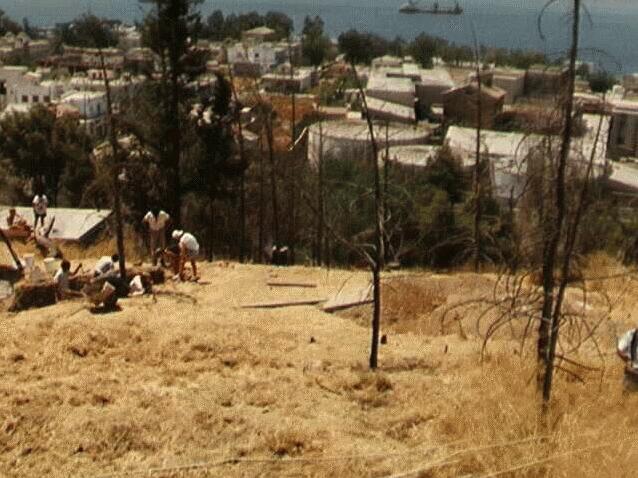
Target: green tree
(168,31)
(38,149)
(216,169)
(423,49)
(87,31)
(7,25)
(280,22)
(357,47)
(602,81)
(315,44)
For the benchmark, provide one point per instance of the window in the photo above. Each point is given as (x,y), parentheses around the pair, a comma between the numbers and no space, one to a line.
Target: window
(35,98)
(99,108)
(47,99)
(25,99)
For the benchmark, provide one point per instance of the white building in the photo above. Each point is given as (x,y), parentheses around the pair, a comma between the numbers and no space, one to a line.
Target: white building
(265,55)
(31,90)
(91,106)
(350,139)
(300,82)
(391,89)
(511,154)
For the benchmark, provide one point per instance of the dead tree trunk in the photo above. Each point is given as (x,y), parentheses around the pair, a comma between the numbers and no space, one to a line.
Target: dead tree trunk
(478,212)
(320,200)
(379,254)
(262,197)
(292,232)
(273,176)
(117,199)
(551,314)
(242,178)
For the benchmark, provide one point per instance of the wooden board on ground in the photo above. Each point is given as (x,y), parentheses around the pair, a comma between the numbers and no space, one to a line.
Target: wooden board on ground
(291,284)
(276,305)
(347,300)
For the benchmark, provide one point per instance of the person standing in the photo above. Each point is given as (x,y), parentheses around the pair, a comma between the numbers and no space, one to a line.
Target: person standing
(40,204)
(188,250)
(156,220)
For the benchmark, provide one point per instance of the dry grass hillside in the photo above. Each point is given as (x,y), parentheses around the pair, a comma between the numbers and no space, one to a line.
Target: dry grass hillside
(187,384)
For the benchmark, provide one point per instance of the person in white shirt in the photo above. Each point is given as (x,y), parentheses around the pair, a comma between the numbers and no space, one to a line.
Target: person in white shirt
(106,267)
(628,351)
(40,204)
(156,220)
(62,280)
(188,250)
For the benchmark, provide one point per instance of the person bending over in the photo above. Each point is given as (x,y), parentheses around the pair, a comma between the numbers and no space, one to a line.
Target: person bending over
(188,251)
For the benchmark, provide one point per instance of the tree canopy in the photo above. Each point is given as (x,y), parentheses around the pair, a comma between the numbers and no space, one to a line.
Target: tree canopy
(7,25)
(315,44)
(41,151)
(218,27)
(87,31)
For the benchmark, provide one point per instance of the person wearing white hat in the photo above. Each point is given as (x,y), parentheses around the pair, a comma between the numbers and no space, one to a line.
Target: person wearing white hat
(188,250)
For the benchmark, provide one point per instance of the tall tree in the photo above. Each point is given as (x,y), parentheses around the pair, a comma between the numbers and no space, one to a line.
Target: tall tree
(168,31)
(217,166)
(315,44)
(87,31)
(39,148)
(357,51)
(549,328)
(7,25)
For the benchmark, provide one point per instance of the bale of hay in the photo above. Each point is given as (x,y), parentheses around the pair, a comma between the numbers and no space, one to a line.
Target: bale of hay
(27,296)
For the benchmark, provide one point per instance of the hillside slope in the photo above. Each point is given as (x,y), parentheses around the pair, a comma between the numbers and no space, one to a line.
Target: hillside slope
(186,383)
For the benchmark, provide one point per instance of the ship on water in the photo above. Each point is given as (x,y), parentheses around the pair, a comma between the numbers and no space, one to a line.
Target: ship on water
(412,7)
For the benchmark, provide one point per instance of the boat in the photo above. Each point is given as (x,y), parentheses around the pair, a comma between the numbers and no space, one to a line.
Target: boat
(411,8)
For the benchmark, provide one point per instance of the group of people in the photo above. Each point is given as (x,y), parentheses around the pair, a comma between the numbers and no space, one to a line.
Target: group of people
(40,205)
(185,249)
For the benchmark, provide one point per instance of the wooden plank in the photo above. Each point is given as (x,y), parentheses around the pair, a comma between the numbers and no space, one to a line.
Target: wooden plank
(291,284)
(345,301)
(276,305)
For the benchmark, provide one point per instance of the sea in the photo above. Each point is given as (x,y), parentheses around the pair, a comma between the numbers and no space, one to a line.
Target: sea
(609,27)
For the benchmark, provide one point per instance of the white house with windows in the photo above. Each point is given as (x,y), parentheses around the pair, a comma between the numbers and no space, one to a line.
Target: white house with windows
(91,106)
(266,55)
(31,90)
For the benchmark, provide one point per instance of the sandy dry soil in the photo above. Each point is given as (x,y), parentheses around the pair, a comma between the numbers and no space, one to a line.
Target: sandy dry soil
(187,383)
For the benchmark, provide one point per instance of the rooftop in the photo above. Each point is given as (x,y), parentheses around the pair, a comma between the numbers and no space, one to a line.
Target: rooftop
(436,77)
(70,224)
(263,30)
(381,82)
(414,155)
(493,92)
(83,95)
(394,109)
(357,129)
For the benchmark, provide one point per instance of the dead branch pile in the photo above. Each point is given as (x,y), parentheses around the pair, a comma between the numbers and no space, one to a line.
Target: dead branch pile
(29,296)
